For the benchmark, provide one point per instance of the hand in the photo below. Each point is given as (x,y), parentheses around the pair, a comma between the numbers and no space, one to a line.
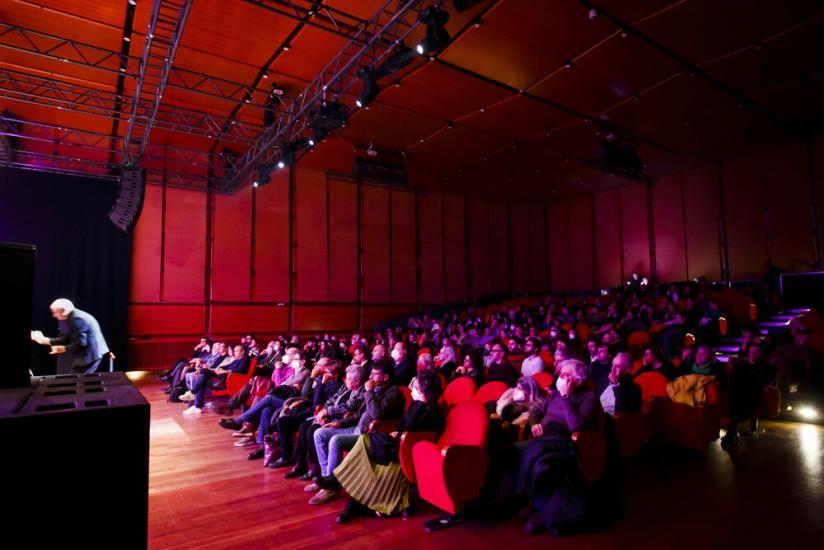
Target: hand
(537,430)
(369,386)
(460,370)
(57,350)
(326,377)
(38,337)
(394,434)
(316,372)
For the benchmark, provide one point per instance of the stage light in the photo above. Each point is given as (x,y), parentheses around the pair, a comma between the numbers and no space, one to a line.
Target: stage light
(807,412)
(370,88)
(437,37)
(264,175)
(402,57)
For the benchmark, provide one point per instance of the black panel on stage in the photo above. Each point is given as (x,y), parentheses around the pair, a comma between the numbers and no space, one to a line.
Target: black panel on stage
(76,461)
(16,287)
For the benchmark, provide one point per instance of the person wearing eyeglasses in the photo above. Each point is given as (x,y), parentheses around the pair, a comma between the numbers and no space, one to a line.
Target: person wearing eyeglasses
(499,368)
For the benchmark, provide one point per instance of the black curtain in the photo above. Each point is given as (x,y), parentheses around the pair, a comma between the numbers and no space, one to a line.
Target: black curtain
(81,255)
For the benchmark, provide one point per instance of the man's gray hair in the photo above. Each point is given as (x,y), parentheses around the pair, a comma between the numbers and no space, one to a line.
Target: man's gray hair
(578,368)
(356,372)
(625,359)
(62,303)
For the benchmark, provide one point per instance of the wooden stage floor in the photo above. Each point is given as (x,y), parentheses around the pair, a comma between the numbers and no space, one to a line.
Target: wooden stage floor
(203,493)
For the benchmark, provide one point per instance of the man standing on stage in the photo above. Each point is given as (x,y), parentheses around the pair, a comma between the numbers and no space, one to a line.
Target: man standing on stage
(84,340)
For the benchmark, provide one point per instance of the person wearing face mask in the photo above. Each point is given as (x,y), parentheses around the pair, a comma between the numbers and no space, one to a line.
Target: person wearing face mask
(371,473)
(403,366)
(519,404)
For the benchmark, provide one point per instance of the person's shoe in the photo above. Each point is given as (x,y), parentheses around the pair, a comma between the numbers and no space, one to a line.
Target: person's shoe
(245,431)
(311,488)
(534,525)
(282,463)
(308,475)
(188,396)
(193,410)
(352,510)
(230,424)
(322,497)
(330,482)
(294,472)
(245,442)
(167,389)
(256,454)
(269,449)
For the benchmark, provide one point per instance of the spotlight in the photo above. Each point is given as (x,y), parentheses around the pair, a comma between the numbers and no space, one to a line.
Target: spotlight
(437,37)
(264,175)
(402,57)
(807,413)
(330,117)
(370,86)
(318,135)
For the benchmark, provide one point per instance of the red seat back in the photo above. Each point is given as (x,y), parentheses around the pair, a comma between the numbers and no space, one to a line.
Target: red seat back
(459,390)
(491,391)
(407,397)
(652,384)
(467,424)
(543,379)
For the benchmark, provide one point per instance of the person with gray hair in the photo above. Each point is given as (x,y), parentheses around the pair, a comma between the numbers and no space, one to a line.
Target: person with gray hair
(621,394)
(84,340)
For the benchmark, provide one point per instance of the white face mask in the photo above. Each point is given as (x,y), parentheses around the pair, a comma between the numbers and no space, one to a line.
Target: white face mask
(518,395)
(562,384)
(396,354)
(296,364)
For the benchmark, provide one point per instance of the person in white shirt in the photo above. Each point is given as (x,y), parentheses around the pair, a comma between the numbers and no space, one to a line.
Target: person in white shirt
(621,394)
(532,364)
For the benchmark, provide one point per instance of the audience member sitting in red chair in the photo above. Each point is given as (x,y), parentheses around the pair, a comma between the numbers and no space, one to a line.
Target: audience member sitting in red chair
(371,473)
(550,472)
(215,378)
(472,366)
(622,394)
(499,368)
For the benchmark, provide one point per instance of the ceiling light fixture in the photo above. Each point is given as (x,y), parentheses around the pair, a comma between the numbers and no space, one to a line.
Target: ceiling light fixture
(437,37)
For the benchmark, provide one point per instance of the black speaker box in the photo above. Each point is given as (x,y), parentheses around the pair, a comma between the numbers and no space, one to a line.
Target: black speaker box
(76,462)
(16,284)
(129,202)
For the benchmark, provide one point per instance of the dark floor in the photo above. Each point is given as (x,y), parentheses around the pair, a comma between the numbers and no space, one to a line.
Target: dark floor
(768,492)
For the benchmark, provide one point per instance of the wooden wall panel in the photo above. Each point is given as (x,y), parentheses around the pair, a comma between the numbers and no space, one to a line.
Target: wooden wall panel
(311,318)
(560,247)
(580,242)
(498,248)
(744,195)
(145,277)
(701,222)
(635,230)
(520,247)
(239,319)
(480,248)
(231,248)
(608,245)
(432,277)
(454,248)
(185,251)
(343,241)
(537,247)
(670,252)
(310,235)
(375,244)
(271,261)
(161,319)
(403,247)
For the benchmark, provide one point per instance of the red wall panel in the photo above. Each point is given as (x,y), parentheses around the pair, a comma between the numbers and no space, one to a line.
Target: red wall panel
(537,248)
(184,262)
(580,241)
(559,246)
(479,248)
(455,248)
(498,248)
(310,232)
(258,319)
(145,276)
(670,254)
(520,246)
(325,318)
(788,212)
(343,241)
(607,240)
(145,320)
(744,194)
(701,222)
(231,248)
(403,247)
(375,244)
(430,222)
(271,269)
(373,314)
(635,230)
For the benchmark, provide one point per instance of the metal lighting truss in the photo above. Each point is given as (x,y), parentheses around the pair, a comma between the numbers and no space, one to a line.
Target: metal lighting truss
(166,26)
(37,90)
(373,41)
(21,39)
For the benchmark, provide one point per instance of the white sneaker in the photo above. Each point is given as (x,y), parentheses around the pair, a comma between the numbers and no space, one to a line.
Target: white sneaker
(193,410)
(188,396)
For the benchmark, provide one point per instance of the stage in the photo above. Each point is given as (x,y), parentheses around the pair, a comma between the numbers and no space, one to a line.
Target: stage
(203,493)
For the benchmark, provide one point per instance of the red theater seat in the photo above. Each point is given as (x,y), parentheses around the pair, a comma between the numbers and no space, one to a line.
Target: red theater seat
(652,385)
(685,426)
(451,471)
(459,390)
(543,379)
(491,391)
(631,429)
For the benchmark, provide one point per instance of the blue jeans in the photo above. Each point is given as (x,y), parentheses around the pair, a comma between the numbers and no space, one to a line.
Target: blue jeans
(330,443)
(261,412)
